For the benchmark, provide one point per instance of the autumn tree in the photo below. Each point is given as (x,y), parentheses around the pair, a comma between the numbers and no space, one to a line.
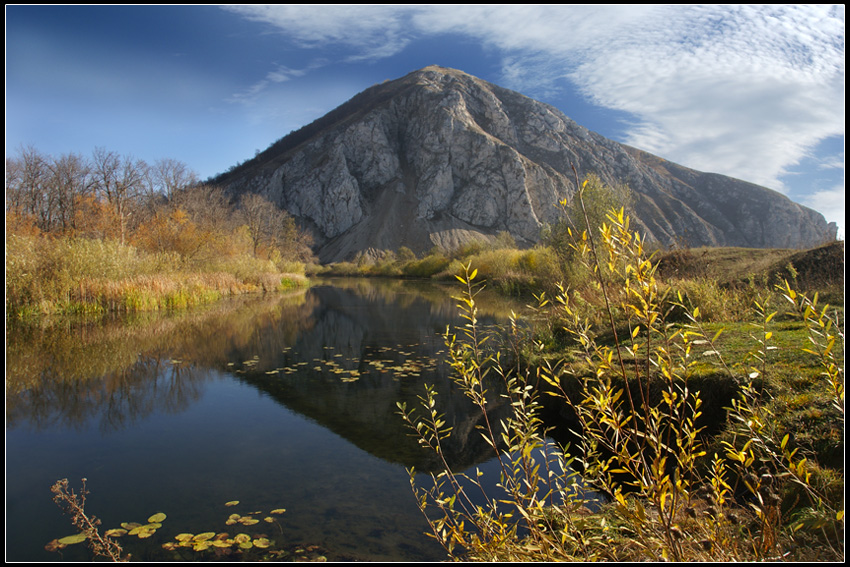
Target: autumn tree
(70,183)
(27,186)
(206,205)
(266,223)
(199,222)
(171,230)
(120,181)
(95,218)
(167,176)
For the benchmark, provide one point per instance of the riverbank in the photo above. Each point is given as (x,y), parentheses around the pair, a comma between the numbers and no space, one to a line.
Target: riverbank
(47,277)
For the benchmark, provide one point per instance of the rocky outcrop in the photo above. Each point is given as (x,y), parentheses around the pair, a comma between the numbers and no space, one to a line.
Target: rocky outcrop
(439,157)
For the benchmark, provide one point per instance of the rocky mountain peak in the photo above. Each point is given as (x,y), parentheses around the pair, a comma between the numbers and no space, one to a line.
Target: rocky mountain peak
(439,157)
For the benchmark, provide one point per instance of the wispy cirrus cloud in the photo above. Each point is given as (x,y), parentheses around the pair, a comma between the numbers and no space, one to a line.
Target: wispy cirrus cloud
(371,32)
(279,74)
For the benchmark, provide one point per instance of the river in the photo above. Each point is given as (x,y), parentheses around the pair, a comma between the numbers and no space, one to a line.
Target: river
(274,402)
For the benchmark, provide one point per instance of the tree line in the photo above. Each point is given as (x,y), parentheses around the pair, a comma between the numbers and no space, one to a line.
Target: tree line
(158,207)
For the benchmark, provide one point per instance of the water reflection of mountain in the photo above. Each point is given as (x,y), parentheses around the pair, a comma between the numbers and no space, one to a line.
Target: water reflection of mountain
(341,354)
(392,345)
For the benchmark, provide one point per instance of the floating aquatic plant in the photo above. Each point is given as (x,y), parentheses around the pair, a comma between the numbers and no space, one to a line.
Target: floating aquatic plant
(73,539)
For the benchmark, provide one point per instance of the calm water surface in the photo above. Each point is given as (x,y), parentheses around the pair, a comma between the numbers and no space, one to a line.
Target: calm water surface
(280,402)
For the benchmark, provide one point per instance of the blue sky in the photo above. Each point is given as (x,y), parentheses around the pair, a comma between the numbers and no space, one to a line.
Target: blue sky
(755,92)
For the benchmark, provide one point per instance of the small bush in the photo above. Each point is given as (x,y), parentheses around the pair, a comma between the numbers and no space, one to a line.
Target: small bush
(430,265)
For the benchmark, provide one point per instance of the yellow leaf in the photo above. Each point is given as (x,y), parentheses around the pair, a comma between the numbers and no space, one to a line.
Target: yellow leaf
(157,518)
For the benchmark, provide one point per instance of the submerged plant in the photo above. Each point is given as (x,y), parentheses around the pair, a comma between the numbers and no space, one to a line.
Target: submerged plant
(74,505)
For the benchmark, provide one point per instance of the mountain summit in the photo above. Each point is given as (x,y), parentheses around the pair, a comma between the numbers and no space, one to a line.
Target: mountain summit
(439,157)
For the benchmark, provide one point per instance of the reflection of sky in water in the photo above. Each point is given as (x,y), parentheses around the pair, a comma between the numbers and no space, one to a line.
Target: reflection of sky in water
(235,443)
(281,404)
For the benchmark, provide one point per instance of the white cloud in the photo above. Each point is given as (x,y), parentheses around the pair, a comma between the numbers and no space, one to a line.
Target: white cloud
(372,31)
(739,90)
(280,74)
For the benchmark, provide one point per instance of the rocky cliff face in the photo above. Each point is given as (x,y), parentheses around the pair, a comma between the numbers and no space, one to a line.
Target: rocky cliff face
(439,157)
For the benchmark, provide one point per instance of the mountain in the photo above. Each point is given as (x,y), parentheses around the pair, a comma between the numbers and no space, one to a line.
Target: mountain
(439,157)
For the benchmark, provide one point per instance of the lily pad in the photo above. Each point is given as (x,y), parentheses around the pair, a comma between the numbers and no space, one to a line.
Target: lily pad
(72,539)
(204,536)
(157,518)
(231,503)
(278,511)
(115,532)
(242,538)
(184,537)
(261,542)
(202,545)
(130,525)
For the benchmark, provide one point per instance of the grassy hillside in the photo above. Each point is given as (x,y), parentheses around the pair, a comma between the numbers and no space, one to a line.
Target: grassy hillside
(820,268)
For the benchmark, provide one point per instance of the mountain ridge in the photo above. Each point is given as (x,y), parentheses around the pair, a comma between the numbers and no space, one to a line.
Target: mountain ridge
(439,157)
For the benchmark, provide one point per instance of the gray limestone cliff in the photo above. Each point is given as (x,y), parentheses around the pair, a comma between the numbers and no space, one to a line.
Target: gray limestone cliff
(438,157)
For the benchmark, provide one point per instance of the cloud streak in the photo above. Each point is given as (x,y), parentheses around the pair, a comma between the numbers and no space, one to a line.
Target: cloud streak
(741,90)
